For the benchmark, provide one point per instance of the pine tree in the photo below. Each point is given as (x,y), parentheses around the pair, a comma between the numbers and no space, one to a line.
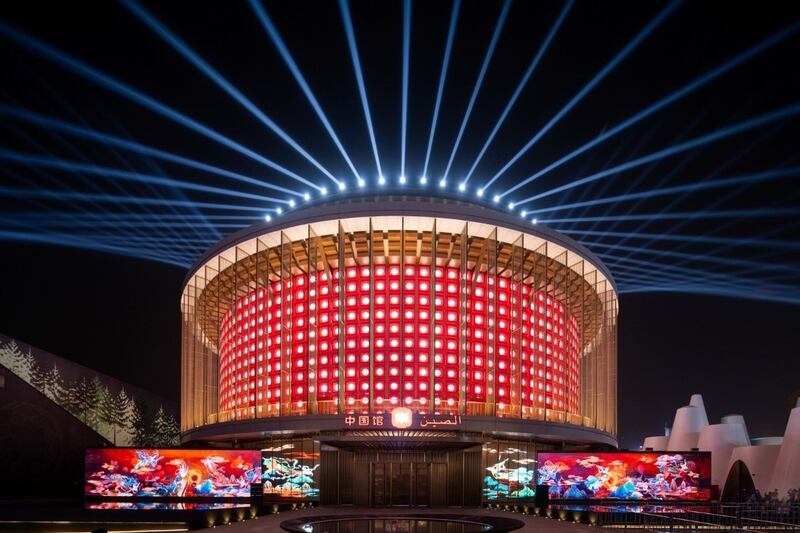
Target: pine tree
(92,417)
(72,404)
(38,378)
(106,408)
(81,399)
(26,366)
(173,431)
(98,408)
(120,412)
(162,429)
(135,422)
(142,425)
(59,390)
(18,362)
(8,355)
(54,385)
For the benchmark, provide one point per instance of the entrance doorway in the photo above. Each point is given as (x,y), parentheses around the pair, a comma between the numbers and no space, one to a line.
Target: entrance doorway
(406,483)
(383,478)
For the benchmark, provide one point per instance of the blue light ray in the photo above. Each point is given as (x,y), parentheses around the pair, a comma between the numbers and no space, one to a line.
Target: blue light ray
(666,101)
(404,104)
(66,196)
(277,40)
(501,20)
(156,169)
(182,48)
(762,258)
(58,97)
(159,217)
(611,65)
(688,188)
(706,258)
(62,239)
(58,182)
(63,220)
(451,33)
(723,213)
(642,141)
(665,178)
(672,273)
(760,120)
(626,280)
(779,296)
(72,166)
(111,140)
(64,60)
(714,287)
(522,83)
(362,90)
(655,237)
(720,200)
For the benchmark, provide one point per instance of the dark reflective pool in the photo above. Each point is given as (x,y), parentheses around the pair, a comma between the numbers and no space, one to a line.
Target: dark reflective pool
(394,525)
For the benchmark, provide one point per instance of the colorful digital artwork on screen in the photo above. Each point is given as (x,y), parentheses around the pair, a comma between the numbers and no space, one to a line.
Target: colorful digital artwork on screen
(289,469)
(626,475)
(508,472)
(168,473)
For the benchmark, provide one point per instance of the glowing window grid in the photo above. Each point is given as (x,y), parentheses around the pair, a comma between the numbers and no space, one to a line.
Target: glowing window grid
(250,345)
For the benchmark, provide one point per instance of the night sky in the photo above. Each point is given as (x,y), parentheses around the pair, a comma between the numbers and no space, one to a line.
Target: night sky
(713,309)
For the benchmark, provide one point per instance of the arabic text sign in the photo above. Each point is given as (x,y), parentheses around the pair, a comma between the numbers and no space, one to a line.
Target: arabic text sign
(418,421)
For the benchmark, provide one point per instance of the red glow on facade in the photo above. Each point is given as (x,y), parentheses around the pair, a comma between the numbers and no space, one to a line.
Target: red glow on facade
(521,346)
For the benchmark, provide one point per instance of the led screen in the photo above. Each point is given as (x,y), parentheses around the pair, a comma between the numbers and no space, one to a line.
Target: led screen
(289,468)
(626,475)
(136,472)
(509,471)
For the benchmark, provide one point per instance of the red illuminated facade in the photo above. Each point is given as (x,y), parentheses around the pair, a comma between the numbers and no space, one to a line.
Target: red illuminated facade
(521,345)
(333,320)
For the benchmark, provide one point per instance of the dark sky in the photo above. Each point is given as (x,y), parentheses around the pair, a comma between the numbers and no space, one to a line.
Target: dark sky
(120,314)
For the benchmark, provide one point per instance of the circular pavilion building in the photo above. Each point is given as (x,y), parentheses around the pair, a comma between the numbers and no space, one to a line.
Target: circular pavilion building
(399,349)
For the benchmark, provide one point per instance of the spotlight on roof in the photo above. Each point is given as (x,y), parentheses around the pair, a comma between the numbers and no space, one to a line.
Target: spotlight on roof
(361,182)
(381,180)
(523,213)
(480,193)
(267,218)
(496,198)
(279,210)
(323,191)
(511,205)
(534,221)
(442,183)
(462,186)
(423,180)
(306,196)
(402,180)
(342,186)
(291,203)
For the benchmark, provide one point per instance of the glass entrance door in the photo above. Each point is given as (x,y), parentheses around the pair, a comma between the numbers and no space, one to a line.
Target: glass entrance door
(380,484)
(422,484)
(404,484)
(401,484)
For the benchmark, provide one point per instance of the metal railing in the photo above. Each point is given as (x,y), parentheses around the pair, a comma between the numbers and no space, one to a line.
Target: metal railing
(762,517)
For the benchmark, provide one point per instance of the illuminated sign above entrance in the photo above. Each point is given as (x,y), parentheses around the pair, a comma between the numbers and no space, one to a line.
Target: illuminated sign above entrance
(402,418)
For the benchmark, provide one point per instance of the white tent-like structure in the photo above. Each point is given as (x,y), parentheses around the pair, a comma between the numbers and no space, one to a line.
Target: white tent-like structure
(773,463)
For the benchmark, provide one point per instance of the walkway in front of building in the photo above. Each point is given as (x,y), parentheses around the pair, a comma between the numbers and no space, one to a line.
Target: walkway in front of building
(271,523)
